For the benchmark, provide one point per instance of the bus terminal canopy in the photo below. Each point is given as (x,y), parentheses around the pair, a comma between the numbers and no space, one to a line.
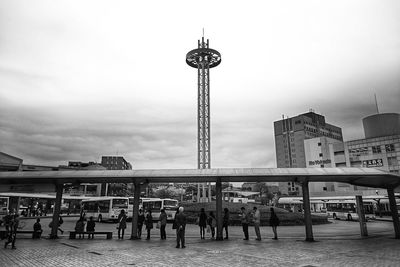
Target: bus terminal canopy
(367,177)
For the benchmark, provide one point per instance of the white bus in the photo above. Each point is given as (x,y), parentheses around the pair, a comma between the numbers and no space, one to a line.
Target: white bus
(346,209)
(105,208)
(155,205)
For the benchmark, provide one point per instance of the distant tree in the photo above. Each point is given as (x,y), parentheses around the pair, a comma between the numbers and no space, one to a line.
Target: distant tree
(164,193)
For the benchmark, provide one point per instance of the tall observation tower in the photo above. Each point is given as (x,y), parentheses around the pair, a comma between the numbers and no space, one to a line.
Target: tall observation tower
(203,59)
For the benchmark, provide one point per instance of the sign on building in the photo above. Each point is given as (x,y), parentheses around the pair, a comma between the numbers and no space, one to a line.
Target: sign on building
(371,163)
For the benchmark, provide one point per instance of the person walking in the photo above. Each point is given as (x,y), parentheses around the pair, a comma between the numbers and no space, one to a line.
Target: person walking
(245,218)
(149,223)
(274,222)
(12,233)
(225,222)
(180,219)
(140,223)
(212,222)
(80,228)
(257,220)
(121,224)
(163,223)
(91,224)
(202,223)
(37,229)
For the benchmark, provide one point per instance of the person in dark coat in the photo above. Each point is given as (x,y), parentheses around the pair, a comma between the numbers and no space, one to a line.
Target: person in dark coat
(149,223)
(140,223)
(91,224)
(245,217)
(121,224)
(202,223)
(274,222)
(12,234)
(163,223)
(37,229)
(80,228)
(225,222)
(180,220)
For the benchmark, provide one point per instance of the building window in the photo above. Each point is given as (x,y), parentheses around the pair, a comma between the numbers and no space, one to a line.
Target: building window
(322,165)
(389,148)
(319,143)
(392,161)
(324,188)
(376,149)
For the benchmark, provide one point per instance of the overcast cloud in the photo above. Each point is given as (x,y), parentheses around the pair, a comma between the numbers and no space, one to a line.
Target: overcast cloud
(83,79)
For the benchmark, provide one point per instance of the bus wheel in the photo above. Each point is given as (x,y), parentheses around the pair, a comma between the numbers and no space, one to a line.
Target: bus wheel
(334,216)
(100,218)
(349,218)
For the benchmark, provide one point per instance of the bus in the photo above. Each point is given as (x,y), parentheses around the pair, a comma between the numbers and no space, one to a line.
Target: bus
(337,207)
(155,205)
(346,209)
(3,205)
(105,208)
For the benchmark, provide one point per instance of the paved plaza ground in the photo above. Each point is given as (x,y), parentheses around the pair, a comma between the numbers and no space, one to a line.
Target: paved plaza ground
(337,244)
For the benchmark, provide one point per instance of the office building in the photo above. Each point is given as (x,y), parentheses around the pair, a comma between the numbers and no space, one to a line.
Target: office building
(290,134)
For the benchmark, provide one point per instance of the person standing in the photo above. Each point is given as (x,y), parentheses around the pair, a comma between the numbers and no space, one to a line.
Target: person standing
(121,224)
(149,223)
(12,233)
(180,220)
(212,222)
(225,222)
(274,222)
(257,220)
(140,223)
(245,223)
(202,223)
(163,224)
(90,227)
(37,229)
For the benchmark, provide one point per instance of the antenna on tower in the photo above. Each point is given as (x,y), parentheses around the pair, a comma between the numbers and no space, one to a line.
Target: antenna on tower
(376,104)
(203,32)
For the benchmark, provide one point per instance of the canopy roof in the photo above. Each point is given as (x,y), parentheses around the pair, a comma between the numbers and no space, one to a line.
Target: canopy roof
(357,176)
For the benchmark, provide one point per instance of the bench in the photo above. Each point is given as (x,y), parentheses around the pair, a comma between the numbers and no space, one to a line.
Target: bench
(72,234)
(3,233)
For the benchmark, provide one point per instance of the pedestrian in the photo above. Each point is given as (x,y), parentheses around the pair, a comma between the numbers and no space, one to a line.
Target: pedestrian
(149,223)
(202,223)
(140,223)
(37,229)
(90,227)
(80,228)
(180,219)
(245,218)
(225,222)
(257,220)
(212,222)
(274,222)
(12,233)
(121,224)
(60,222)
(163,223)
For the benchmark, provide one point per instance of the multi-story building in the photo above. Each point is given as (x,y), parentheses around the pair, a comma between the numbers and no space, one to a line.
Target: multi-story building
(290,134)
(379,149)
(115,163)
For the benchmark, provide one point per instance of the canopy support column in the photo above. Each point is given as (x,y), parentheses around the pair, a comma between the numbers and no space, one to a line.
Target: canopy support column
(307,212)
(218,189)
(135,211)
(361,216)
(395,214)
(56,211)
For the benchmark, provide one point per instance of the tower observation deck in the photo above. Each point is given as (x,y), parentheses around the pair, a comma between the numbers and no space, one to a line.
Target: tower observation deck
(203,59)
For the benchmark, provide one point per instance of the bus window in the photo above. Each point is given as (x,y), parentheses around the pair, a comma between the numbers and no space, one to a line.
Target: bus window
(120,203)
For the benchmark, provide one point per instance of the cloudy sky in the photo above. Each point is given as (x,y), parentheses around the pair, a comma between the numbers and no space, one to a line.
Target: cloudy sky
(82,79)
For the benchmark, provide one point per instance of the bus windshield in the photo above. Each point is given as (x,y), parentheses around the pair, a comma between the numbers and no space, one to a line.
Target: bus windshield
(170,203)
